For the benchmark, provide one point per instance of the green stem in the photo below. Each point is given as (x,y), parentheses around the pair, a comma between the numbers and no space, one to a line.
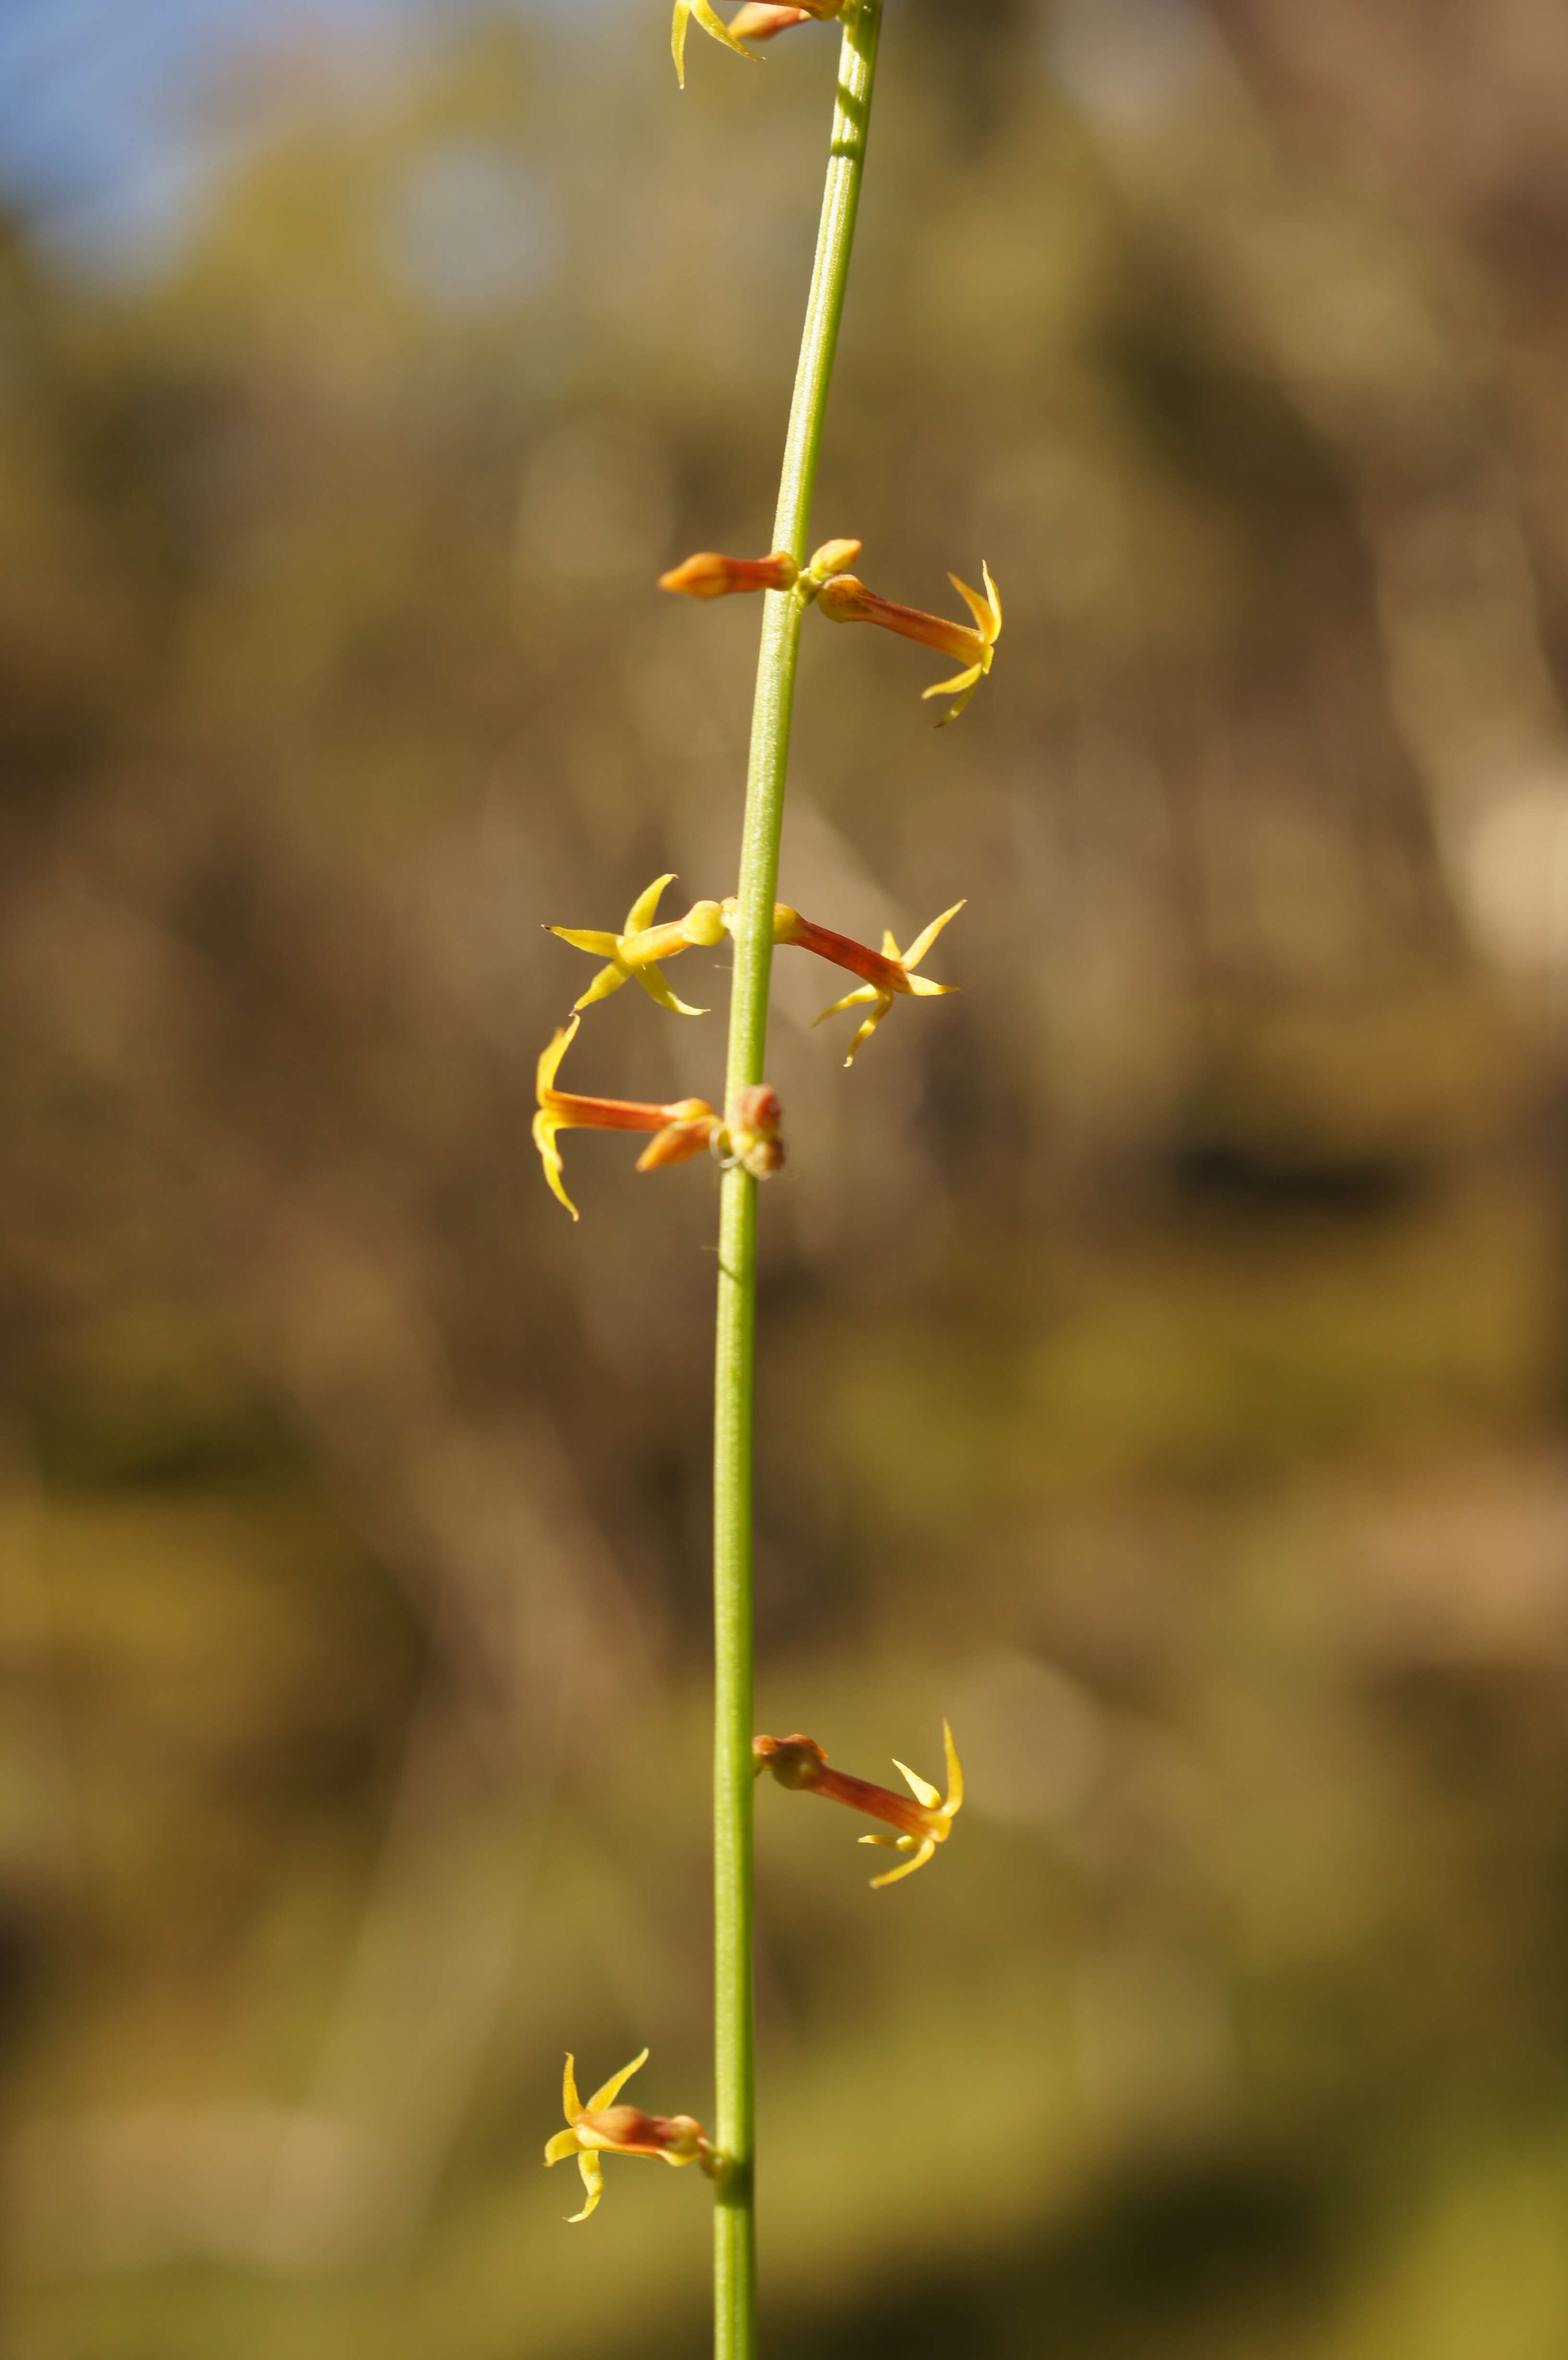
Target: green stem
(734,2234)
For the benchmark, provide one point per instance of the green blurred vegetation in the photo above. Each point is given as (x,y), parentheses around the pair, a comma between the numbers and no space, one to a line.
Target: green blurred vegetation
(1165,1342)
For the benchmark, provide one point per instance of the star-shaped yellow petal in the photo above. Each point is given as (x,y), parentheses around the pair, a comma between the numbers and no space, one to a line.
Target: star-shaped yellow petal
(602,2128)
(987,612)
(880,996)
(636,950)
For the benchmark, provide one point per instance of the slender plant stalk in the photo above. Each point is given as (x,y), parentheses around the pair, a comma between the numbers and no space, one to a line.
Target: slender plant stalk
(735,2232)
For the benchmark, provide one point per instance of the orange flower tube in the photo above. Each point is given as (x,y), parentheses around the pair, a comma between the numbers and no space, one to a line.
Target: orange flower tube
(846,599)
(799,1762)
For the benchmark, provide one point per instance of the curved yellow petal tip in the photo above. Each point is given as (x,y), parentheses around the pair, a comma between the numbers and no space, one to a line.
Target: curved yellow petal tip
(985,608)
(905,1867)
(551,1057)
(550,1156)
(658,990)
(961,688)
(955,1773)
(921,1788)
(641,914)
(609,978)
(588,2164)
(923,942)
(883,1004)
(712,23)
(608,2092)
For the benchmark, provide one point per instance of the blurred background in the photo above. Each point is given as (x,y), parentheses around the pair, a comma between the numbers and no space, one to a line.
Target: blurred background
(1165,1355)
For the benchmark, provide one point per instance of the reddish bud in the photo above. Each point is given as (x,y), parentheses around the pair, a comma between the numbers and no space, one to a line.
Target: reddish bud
(677,1143)
(758,1110)
(834,557)
(759,20)
(708,575)
(750,1135)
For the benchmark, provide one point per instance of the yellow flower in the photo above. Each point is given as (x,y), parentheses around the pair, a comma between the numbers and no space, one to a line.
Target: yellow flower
(748,1136)
(682,1129)
(800,1763)
(759,20)
(888,972)
(846,599)
(712,23)
(601,2128)
(636,951)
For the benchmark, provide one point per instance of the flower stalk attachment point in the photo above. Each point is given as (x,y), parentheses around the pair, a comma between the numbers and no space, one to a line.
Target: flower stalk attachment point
(800,1763)
(602,2128)
(846,599)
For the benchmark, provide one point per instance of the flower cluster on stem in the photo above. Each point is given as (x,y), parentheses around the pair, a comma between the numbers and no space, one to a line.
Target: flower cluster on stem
(886,974)
(843,598)
(747,1141)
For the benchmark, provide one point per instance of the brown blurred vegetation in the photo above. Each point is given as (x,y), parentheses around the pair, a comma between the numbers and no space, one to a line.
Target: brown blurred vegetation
(1164,1342)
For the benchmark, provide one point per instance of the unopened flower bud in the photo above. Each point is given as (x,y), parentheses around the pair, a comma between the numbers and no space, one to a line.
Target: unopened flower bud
(760,19)
(710,575)
(750,1133)
(693,1129)
(834,557)
(758,1110)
